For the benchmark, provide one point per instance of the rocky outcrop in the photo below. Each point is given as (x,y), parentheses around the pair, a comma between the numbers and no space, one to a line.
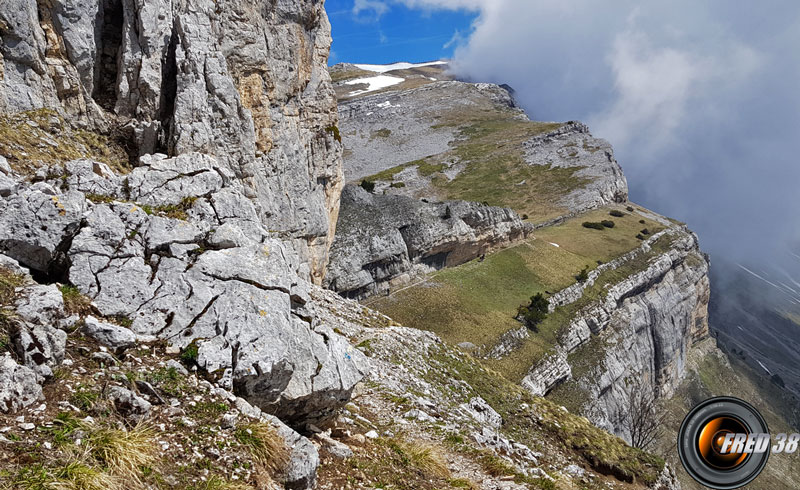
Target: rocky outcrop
(375,126)
(386,240)
(243,82)
(572,145)
(635,337)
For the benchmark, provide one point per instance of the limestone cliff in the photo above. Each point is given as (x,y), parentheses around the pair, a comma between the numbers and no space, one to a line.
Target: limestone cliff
(637,337)
(244,82)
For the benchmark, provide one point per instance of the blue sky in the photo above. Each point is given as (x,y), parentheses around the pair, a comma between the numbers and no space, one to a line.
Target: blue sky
(380,32)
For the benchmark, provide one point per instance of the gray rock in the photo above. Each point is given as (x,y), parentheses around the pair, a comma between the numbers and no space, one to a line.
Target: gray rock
(335,448)
(483,412)
(572,145)
(18,385)
(301,471)
(162,181)
(173,364)
(383,240)
(39,347)
(104,358)
(5,168)
(418,415)
(92,177)
(129,404)
(41,305)
(108,334)
(36,221)
(228,420)
(12,265)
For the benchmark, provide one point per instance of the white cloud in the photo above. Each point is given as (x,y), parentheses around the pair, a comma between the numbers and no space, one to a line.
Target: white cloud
(376,8)
(698,99)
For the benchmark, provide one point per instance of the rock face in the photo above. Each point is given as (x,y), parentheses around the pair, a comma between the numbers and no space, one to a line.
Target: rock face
(212,240)
(244,82)
(637,337)
(385,240)
(572,145)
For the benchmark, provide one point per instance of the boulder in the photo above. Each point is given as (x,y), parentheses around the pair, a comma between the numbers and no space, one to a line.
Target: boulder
(39,347)
(41,305)
(18,385)
(129,404)
(36,222)
(108,334)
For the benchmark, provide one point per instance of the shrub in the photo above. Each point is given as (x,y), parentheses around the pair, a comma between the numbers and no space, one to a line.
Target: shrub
(630,209)
(524,216)
(534,313)
(583,275)
(640,236)
(593,225)
(642,221)
(616,213)
(397,185)
(368,186)
(645,231)
(189,354)
(607,223)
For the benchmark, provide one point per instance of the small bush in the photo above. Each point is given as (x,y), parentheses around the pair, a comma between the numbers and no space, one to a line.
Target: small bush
(640,236)
(607,223)
(642,221)
(593,225)
(535,312)
(524,216)
(397,185)
(123,452)
(334,130)
(616,213)
(189,354)
(645,231)
(583,275)
(368,186)
(630,209)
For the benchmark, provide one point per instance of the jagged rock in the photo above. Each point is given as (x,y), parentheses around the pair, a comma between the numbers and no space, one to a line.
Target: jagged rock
(254,92)
(228,420)
(572,145)
(173,364)
(92,177)
(417,414)
(41,305)
(383,240)
(39,347)
(333,447)
(18,385)
(241,306)
(163,181)
(104,358)
(546,374)
(108,334)
(13,266)
(5,168)
(483,412)
(36,222)
(129,404)
(301,471)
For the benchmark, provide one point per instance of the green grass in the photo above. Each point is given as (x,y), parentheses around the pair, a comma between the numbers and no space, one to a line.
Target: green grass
(477,301)
(542,419)
(424,166)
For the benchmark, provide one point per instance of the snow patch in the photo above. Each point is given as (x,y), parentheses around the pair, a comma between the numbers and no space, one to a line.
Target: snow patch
(398,66)
(374,83)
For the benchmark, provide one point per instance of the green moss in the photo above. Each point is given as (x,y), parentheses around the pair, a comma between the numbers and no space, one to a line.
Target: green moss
(334,130)
(381,133)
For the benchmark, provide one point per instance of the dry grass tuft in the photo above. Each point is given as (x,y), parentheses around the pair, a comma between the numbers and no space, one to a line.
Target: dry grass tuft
(422,455)
(123,452)
(74,302)
(265,445)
